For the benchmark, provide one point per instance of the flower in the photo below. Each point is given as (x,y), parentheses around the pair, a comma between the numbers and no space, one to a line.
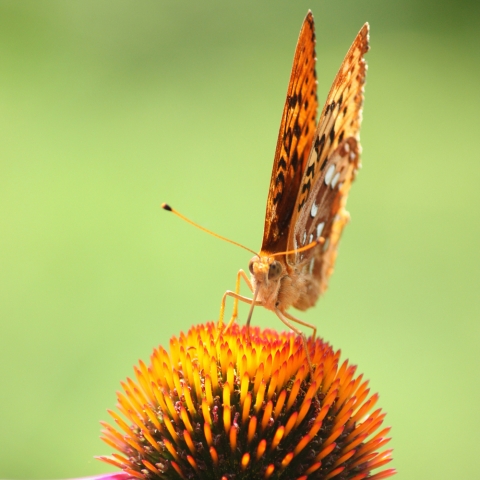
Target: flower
(247,406)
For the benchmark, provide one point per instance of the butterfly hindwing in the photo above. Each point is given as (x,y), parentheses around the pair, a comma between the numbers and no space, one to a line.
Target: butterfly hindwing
(297,130)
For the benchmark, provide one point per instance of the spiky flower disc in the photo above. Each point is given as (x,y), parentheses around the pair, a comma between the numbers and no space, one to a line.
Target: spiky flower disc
(247,407)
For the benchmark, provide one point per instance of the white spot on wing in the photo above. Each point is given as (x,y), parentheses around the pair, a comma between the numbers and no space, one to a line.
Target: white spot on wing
(325,245)
(335,179)
(329,174)
(314,210)
(310,239)
(304,238)
(320,229)
(312,264)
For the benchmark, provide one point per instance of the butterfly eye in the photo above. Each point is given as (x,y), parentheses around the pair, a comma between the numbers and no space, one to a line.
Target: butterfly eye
(250,266)
(274,270)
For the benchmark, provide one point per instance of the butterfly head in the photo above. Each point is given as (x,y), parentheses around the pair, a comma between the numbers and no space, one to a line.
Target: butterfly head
(265,269)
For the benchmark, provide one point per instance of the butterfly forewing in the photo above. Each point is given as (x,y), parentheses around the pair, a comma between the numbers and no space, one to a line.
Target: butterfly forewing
(331,167)
(295,138)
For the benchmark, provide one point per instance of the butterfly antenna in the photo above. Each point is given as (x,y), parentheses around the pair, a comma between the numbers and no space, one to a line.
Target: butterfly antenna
(168,208)
(318,241)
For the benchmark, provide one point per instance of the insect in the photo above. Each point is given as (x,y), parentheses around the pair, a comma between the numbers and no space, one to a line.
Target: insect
(313,169)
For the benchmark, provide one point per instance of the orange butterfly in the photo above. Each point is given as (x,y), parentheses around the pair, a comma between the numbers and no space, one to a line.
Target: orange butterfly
(313,169)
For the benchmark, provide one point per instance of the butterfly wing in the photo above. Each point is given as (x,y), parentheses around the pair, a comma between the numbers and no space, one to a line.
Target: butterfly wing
(331,167)
(295,138)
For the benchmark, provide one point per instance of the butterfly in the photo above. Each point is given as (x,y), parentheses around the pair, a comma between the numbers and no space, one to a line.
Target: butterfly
(314,166)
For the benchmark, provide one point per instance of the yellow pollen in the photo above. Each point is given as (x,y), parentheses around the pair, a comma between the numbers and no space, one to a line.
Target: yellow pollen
(151,467)
(252,427)
(208,390)
(174,347)
(333,436)
(269,470)
(167,375)
(258,378)
(344,458)
(291,423)
(303,411)
(171,449)
(227,418)
(244,387)
(272,385)
(325,451)
(302,444)
(120,422)
(335,473)
(280,403)
(268,367)
(267,414)
(197,383)
(206,412)
(277,437)
(260,396)
(281,376)
(152,417)
(185,419)
(230,377)
(315,428)
(233,438)
(366,407)
(213,454)
(244,366)
(171,430)
(214,374)
(262,446)
(189,442)
(177,469)
(226,394)
(208,433)
(192,462)
(314,468)
(252,363)
(245,461)
(340,421)
(287,459)
(293,393)
(246,407)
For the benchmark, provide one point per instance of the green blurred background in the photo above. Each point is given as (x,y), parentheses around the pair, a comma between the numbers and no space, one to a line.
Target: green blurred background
(109,108)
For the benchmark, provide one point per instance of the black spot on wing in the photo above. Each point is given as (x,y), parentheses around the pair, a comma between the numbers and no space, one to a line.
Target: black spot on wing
(306,186)
(340,137)
(292,101)
(319,145)
(294,161)
(297,130)
(310,170)
(331,135)
(280,179)
(282,164)
(324,163)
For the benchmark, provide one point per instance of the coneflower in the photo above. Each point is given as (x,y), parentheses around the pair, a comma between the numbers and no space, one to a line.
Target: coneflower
(247,407)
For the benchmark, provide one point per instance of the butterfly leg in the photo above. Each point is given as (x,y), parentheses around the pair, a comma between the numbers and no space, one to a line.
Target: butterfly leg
(283,317)
(301,322)
(236,296)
